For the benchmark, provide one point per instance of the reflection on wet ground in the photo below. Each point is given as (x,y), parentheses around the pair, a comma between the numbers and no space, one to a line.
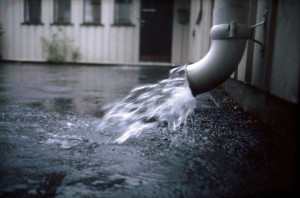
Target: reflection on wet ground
(50,144)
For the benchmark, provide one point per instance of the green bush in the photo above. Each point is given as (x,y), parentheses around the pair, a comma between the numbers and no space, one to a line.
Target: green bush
(59,46)
(75,54)
(1,34)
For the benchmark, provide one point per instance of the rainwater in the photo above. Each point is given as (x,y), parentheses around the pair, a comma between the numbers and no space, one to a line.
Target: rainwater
(122,131)
(150,106)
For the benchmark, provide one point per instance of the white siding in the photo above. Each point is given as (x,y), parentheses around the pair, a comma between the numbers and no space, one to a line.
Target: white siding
(199,42)
(97,44)
(101,44)
(180,40)
(259,69)
(241,71)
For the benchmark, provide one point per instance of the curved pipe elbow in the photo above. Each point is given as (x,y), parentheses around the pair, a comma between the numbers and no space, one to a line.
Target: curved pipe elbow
(218,64)
(229,35)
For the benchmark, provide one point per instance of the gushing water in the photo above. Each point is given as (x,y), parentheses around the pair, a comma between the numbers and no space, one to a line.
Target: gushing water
(169,101)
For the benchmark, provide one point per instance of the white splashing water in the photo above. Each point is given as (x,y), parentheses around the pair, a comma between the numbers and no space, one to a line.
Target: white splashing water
(146,107)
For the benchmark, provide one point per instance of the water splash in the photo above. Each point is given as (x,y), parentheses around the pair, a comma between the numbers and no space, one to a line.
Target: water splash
(169,101)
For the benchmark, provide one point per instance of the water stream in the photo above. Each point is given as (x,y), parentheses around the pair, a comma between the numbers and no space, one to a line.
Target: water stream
(168,102)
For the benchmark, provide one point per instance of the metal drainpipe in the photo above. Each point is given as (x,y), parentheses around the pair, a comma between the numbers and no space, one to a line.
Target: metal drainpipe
(229,35)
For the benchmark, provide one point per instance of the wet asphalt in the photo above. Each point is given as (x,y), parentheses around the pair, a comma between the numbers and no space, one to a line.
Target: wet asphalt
(49,114)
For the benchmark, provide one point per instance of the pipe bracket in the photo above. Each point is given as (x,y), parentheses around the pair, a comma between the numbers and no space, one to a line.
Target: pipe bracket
(263,22)
(232,30)
(265,15)
(235,30)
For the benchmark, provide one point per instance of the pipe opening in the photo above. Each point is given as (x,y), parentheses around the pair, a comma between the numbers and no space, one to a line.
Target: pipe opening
(229,35)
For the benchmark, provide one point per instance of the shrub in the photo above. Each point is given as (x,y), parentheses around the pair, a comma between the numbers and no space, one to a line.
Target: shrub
(59,47)
(1,34)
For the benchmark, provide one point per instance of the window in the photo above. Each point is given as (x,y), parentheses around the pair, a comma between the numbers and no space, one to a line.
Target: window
(32,12)
(123,10)
(92,11)
(62,11)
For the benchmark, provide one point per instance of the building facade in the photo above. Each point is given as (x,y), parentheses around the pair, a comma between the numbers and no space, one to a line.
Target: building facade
(105,31)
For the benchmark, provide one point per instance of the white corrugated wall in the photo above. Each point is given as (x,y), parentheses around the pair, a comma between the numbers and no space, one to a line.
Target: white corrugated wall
(107,43)
(199,37)
(97,44)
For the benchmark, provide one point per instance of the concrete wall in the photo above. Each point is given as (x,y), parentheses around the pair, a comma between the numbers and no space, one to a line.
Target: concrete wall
(284,80)
(276,71)
(97,44)
(267,84)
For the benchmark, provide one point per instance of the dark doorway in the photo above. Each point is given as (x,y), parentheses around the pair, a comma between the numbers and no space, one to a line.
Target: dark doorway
(156,30)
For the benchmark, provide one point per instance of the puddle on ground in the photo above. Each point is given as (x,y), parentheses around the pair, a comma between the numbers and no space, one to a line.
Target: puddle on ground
(51,146)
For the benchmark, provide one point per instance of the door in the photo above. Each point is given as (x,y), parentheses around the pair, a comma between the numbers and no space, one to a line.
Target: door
(156,30)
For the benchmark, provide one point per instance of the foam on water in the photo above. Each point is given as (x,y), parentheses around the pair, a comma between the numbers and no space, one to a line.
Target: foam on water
(147,107)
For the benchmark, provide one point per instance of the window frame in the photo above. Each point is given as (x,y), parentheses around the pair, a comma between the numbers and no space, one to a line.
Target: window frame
(93,23)
(26,11)
(55,21)
(130,17)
